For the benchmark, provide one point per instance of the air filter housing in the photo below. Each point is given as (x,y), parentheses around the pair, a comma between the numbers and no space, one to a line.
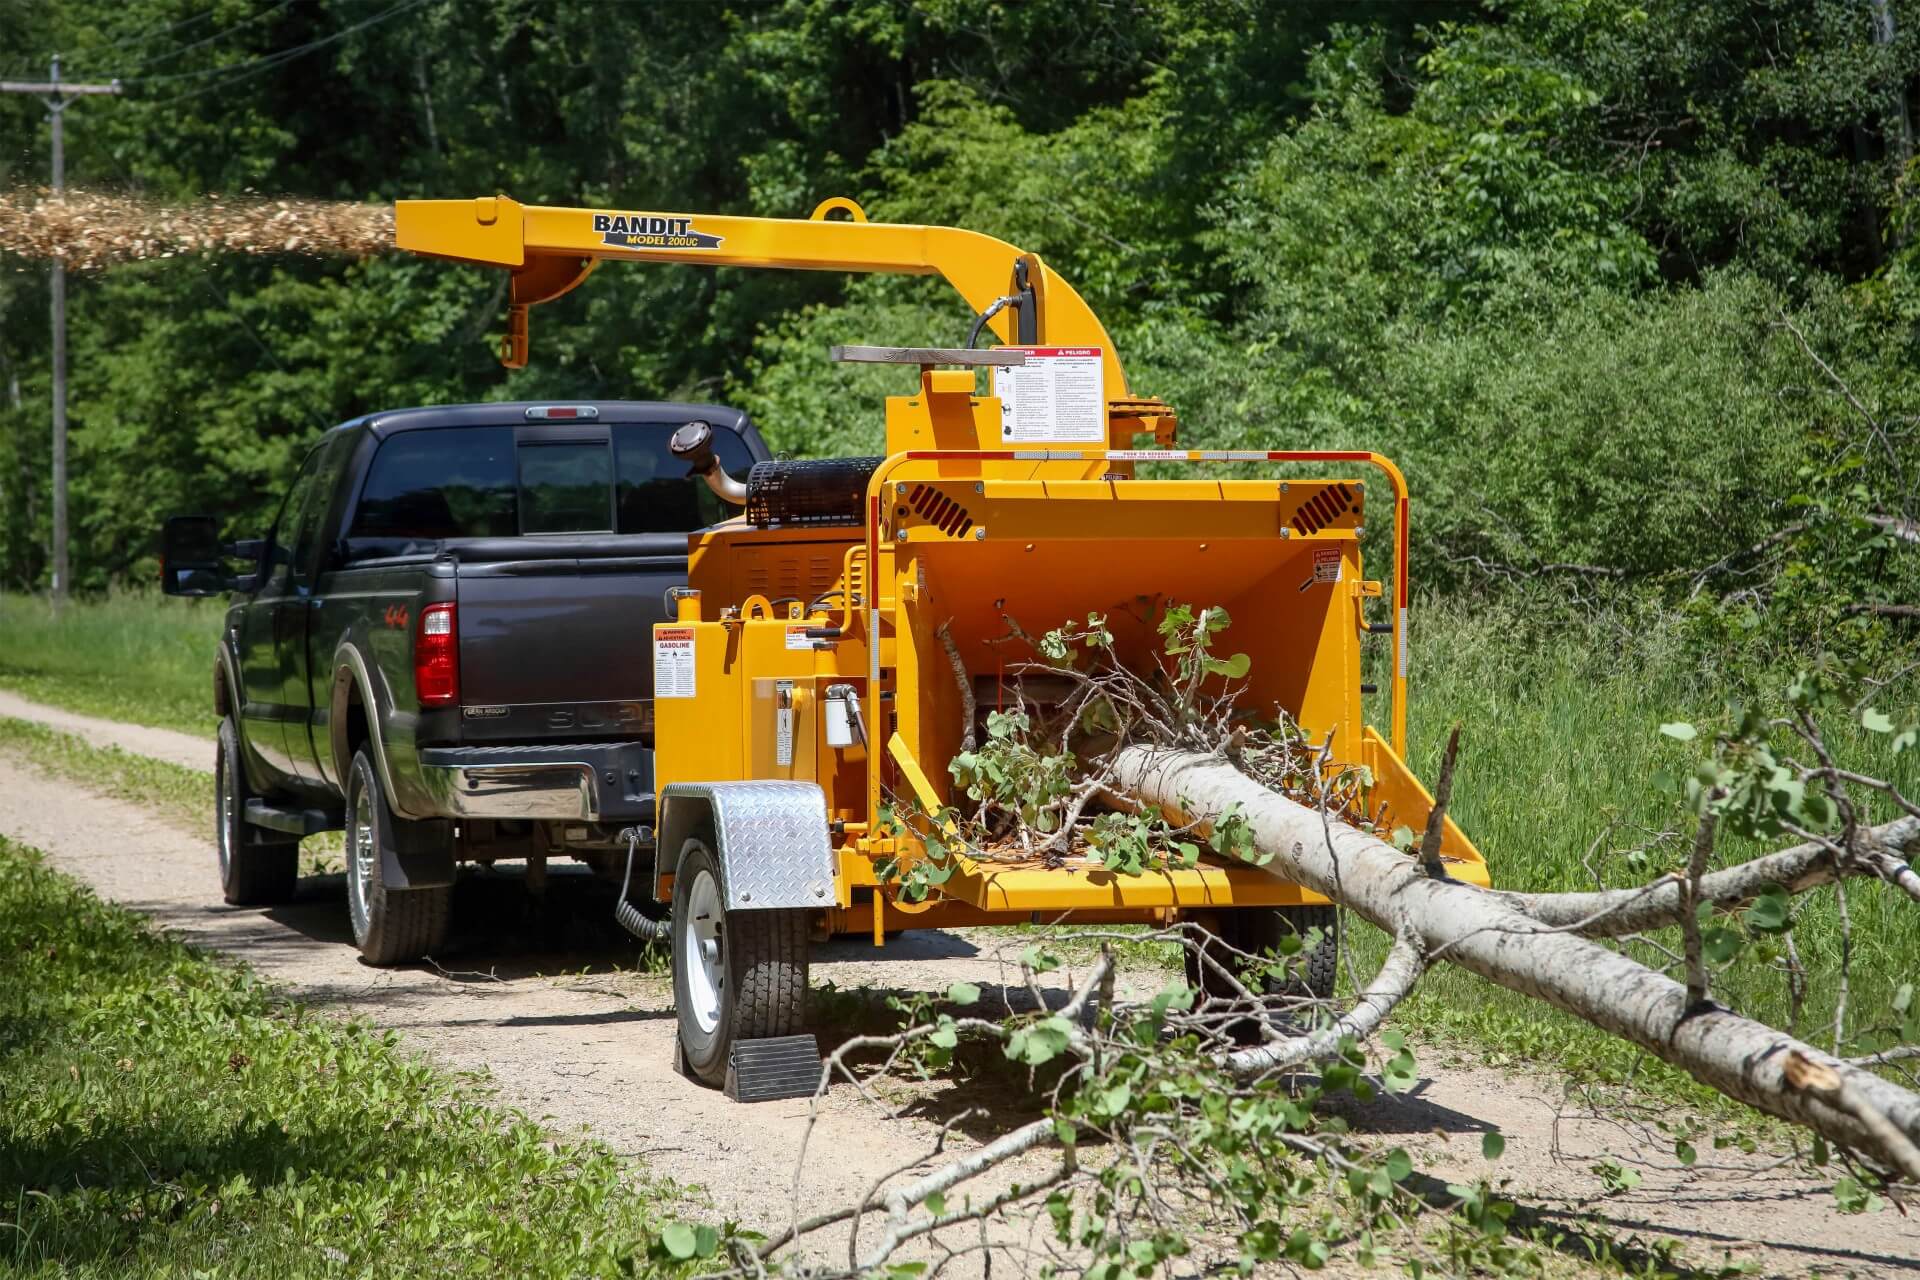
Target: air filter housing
(823,491)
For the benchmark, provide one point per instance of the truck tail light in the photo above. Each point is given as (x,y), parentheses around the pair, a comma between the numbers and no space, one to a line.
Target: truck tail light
(436,657)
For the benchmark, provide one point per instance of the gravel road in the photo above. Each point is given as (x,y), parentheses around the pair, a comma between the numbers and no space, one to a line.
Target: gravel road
(545,1002)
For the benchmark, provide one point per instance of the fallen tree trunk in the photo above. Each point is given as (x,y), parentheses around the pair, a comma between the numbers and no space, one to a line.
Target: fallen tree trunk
(1488,934)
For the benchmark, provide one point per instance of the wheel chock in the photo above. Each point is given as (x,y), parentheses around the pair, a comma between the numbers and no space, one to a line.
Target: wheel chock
(773,1068)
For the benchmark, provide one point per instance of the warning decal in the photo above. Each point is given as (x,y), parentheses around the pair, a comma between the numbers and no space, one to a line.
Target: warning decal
(797,637)
(1058,396)
(673,662)
(1326,564)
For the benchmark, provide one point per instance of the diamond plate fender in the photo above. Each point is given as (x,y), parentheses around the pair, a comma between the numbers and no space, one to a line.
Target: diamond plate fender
(770,837)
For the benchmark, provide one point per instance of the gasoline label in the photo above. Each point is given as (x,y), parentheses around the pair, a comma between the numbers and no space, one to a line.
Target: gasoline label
(673,662)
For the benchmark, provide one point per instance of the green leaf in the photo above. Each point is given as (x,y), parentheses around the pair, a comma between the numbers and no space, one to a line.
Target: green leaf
(1874,720)
(1771,911)
(1683,1152)
(944,1036)
(1399,1165)
(936,1204)
(1040,1043)
(1850,1196)
(1039,961)
(1233,668)
(963,993)
(1680,731)
(706,1241)
(681,1240)
(1493,1144)
(1721,945)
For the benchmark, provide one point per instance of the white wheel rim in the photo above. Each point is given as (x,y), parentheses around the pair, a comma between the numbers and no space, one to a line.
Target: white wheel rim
(224,799)
(360,856)
(702,943)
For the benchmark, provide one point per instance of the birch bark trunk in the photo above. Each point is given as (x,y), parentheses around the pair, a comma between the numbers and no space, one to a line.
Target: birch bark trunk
(1485,933)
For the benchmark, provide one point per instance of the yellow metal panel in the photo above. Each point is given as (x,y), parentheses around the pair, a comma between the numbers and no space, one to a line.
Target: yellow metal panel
(1409,803)
(702,730)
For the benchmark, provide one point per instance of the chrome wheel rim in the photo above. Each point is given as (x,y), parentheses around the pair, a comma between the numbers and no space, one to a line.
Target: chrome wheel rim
(223,802)
(360,855)
(702,949)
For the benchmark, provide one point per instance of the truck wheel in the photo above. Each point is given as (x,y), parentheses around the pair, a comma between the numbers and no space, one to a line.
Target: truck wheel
(390,925)
(1257,930)
(739,975)
(257,867)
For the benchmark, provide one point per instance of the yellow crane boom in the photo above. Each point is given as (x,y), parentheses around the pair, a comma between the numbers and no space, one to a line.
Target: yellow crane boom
(551,250)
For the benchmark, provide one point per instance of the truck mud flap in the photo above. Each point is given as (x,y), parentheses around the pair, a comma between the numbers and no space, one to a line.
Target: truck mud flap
(417,854)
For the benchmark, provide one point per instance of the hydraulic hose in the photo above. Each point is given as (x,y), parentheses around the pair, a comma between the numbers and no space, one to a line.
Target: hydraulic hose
(640,926)
(980,321)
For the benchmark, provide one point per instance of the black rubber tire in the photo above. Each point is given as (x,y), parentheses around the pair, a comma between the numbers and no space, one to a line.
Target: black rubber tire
(1258,930)
(258,868)
(764,984)
(395,926)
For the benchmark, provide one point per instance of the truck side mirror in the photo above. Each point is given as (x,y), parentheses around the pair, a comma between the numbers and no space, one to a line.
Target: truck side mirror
(193,560)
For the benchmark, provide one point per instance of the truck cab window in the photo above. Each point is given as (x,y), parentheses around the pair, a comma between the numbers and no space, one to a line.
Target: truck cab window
(452,482)
(427,486)
(566,487)
(654,493)
(293,510)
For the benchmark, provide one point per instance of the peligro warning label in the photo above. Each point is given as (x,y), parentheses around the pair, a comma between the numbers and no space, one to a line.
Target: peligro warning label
(1058,396)
(673,662)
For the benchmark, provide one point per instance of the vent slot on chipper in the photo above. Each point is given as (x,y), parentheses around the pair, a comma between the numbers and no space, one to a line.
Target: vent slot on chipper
(809,492)
(1324,507)
(940,511)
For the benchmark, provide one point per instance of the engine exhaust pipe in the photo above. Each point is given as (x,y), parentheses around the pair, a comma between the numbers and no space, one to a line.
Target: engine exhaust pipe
(693,444)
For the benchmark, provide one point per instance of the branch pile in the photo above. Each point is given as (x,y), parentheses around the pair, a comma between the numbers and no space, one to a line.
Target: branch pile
(1197,1124)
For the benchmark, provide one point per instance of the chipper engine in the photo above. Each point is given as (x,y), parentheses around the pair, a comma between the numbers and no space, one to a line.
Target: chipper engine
(847,635)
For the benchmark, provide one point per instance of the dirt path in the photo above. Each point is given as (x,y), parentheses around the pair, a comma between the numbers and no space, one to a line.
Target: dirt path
(187,750)
(545,1001)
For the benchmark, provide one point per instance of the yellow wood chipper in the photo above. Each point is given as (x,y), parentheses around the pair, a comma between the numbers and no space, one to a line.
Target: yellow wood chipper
(820,660)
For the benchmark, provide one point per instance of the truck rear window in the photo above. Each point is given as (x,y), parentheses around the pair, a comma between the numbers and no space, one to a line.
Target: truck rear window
(475,482)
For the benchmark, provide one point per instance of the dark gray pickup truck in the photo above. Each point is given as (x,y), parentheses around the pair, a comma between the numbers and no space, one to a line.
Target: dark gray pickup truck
(441,646)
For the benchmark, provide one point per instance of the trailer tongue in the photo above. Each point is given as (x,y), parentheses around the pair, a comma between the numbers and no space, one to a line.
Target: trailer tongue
(820,666)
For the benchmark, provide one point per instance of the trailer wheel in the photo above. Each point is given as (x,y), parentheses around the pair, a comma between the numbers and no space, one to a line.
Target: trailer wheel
(390,926)
(257,867)
(1257,930)
(739,975)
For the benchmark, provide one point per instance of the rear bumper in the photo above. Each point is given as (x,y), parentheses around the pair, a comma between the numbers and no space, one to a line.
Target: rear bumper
(578,782)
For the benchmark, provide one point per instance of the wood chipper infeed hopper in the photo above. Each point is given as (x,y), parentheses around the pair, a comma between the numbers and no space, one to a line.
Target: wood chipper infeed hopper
(812,677)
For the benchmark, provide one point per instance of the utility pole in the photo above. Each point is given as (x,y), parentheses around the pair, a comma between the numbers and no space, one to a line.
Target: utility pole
(58,96)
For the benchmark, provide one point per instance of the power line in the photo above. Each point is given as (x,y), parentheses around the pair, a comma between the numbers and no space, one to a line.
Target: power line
(203,42)
(141,36)
(234,73)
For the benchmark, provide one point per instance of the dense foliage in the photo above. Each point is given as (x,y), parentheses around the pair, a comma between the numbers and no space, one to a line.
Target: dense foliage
(1575,263)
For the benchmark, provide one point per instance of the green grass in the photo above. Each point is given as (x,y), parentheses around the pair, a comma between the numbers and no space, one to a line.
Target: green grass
(145,658)
(183,795)
(164,1114)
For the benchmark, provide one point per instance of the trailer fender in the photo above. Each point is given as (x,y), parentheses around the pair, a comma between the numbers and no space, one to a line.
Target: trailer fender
(770,839)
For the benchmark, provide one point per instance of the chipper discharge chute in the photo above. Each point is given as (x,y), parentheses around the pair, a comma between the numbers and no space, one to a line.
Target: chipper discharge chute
(835,638)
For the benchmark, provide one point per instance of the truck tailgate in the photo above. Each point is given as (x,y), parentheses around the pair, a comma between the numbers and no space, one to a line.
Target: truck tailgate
(560,649)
